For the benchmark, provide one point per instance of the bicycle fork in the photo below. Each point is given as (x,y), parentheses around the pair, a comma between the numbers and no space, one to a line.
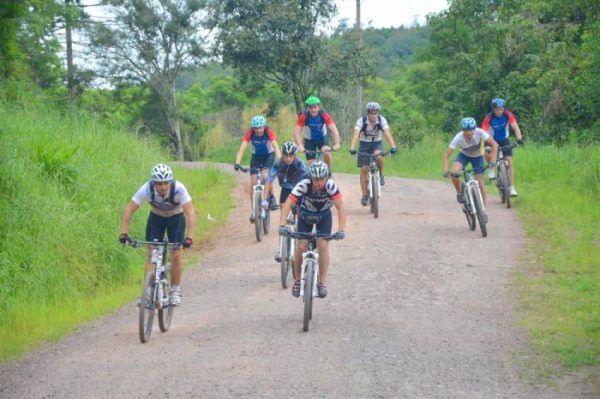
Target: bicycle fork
(306,258)
(161,298)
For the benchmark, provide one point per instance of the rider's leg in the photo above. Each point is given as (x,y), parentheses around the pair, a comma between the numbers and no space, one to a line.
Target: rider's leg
(253,182)
(512,170)
(364,177)
(482,187)
(457,167)
(323,247)
(302,246)
(327,157)
(379,162)
(176,267)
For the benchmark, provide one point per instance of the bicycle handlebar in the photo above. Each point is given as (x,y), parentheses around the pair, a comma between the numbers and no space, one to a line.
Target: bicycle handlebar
(136,243)
(309,236)
(381,154)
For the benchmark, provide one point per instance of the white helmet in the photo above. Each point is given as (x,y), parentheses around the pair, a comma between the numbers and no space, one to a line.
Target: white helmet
(318,170)
(161,172)
(373,106)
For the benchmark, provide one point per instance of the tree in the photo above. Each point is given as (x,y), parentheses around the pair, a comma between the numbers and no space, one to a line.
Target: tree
(150,42)
(283,41)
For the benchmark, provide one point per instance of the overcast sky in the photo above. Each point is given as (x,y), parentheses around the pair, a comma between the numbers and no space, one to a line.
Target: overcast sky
(386,13)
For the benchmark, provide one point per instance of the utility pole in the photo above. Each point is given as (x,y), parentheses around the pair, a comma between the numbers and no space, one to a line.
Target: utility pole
(70,68)
(359,89)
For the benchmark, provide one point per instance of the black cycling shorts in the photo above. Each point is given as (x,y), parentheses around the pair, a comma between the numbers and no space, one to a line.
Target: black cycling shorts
(174,226)
(313,145)
(323,220)
(261,162)
(368,147)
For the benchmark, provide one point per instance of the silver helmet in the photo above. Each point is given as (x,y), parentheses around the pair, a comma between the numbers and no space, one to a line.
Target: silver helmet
(161,172)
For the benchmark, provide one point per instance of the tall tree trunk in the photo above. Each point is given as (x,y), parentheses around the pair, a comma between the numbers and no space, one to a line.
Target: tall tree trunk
(173,120)
(70,68)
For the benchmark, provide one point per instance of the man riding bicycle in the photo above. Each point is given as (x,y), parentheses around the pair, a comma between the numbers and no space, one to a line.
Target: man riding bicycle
(265,149)
(316,196)
(311,129)
(498,122)
(169,200)
(469,141)
(371,129)
(289,170)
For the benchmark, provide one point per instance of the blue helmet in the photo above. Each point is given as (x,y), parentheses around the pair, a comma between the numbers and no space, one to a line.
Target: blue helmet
(468,123)
(258,121)
(498,103)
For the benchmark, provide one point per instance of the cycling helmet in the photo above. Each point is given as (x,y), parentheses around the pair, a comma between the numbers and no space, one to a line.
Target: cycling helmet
(258,121)
(289,147)
(318,170)
(468,123)
(312,100)
(498,102)
(373,106)
(161,172)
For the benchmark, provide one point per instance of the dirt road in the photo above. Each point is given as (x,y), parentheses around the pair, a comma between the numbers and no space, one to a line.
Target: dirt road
(418,307)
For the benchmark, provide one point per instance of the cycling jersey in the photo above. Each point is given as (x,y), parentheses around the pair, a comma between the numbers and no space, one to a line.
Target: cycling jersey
(471,148)
(261,145)
(314,128)
(499,125)
(372,132)
(313,201)
(162,206)
(288,175)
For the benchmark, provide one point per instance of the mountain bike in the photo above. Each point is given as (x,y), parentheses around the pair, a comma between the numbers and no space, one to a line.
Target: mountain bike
(373,182)
(503,181)
(261,217)
(473,207)
(155,289)
(309,271)
(288,248)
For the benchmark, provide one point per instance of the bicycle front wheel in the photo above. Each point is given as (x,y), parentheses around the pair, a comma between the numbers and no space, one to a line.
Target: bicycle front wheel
(507,185)
(147,304)
(479,207)
(467,209)
(501,181)
(308,294)
(258,229)
(165,315)
(266,223)
(375,197)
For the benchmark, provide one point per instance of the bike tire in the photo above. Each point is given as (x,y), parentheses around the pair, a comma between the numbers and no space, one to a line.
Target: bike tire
(165,315)
(258,229)
(266,223)
(478,206)
(308,294)
(467,211)
(285,264)
(501,182)
(375,198)
(507,187)
(146,309)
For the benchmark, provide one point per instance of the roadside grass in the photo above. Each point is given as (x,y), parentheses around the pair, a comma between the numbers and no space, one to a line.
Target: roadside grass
(67,180)
(559,205)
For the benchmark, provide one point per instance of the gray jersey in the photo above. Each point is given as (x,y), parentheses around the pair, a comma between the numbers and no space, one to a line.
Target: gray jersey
(471,148)
(373,132)
(161,206)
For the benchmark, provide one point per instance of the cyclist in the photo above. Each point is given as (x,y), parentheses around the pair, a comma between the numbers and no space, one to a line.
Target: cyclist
(169,200)
(497,124)
(289,170)
(316,195)
(469,141)
(312,125)
(371,129)
(264,149)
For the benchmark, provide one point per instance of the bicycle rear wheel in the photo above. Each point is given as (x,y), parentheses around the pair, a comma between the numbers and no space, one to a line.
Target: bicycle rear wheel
(258,229)
(147,304)
(308,294)
(286,264)
(375,197)
(501,182)
(165,315)
(479,207)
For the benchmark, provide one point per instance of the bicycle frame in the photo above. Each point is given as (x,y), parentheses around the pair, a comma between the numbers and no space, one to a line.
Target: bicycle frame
(470,184)
(309,256)
(159,260)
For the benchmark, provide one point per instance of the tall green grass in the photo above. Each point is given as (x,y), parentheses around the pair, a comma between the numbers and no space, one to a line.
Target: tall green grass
(65,182)
(559,204)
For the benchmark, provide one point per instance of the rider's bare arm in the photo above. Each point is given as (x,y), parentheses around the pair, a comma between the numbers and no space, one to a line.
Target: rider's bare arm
(240,153)
(449,152)
(492,143)
(285,210)
(339,205)
(131,208)
(277,150)
(354,139)
(515,126)
(190,215)
(298,138)
(336,136)
(388,137)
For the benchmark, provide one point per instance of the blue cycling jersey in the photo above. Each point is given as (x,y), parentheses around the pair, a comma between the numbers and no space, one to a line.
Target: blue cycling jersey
(288,175)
